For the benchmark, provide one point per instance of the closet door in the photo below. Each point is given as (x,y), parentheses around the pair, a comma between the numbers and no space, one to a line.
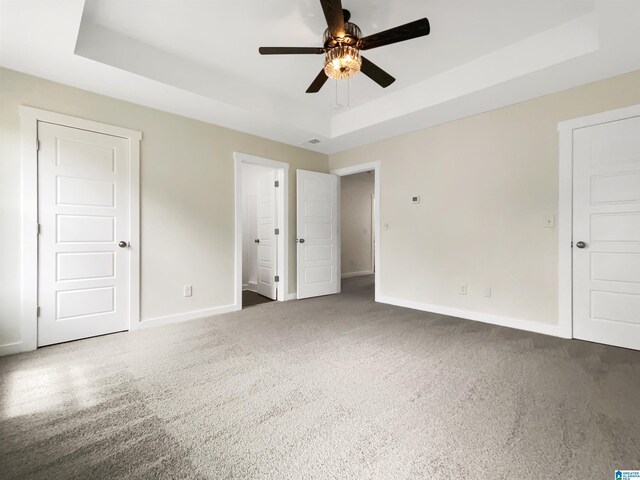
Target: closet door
(317,247)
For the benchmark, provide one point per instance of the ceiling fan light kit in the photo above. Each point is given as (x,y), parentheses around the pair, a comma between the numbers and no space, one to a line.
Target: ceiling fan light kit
(342,59)
(343,42)
(342,62)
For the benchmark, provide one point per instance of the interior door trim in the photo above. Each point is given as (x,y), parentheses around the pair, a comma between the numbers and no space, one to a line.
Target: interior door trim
(282,195)
(359,168)
(565,207)
(29,119)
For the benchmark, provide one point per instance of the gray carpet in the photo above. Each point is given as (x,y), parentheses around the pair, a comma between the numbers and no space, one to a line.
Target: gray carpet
(327,388)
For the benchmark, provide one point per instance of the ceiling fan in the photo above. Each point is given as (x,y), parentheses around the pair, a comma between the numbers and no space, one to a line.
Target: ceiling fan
(342,44)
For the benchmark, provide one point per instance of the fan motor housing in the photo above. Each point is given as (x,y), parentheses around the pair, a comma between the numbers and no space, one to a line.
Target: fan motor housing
(352,35)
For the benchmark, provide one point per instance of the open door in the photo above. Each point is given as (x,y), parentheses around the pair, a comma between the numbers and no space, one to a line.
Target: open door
(267,245)
(317,238)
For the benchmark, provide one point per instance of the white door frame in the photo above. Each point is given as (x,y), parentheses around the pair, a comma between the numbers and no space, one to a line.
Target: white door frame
(282,198)
(365,167)
(565,207)
(29,118)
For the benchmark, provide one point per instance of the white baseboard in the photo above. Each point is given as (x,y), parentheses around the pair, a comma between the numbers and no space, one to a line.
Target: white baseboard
(356,274)
(16,347)
(193,315)
(252,287)
(527,325)
(292,296)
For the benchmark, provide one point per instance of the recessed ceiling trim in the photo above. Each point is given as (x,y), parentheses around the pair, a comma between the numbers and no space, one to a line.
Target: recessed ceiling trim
(263,98)
(103,45)
(568,41)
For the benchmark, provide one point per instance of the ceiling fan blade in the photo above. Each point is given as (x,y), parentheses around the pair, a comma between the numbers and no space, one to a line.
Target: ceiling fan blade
(317,84)
(335,17)
(376,74)
(419,28)
(290,50)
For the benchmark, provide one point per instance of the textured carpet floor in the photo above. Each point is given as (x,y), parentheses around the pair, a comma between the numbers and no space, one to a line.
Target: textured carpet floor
(327,388)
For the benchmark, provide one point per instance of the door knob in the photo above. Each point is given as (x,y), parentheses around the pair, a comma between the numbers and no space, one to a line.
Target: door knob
(301,240)
(581,244)
(257,240)
(123,244)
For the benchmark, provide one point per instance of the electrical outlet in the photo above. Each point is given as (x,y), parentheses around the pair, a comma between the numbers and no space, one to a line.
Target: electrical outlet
(415,199)
(487,292)
(188,290)
(463,289)
(387,226)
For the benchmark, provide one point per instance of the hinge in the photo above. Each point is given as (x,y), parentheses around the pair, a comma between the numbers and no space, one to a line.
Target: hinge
(276,183)
(277,278)
(277,231)
(38,311)
(38,228)
(37,145)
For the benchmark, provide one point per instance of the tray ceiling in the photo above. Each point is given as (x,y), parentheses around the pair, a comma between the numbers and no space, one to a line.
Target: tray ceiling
(199,59)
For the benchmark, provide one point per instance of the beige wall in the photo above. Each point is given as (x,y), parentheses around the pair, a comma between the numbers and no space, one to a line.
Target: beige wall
(487,183)
(187,196)
(356,228)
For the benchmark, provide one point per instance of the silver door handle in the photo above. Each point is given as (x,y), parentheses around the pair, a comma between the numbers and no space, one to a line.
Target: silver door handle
(581,244)
(301,240)
(257,240)
(123,244)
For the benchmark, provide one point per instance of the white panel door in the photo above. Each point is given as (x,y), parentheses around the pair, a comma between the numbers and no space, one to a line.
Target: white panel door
(250,240)
(83,211)
(606,233)
(317,224)
(267,245)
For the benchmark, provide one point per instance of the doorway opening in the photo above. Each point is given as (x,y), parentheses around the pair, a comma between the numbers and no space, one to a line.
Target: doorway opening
(261,230)
(360,229)
(357,227)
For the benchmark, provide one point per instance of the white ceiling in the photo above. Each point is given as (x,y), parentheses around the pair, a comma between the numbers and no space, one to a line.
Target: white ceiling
(199,58)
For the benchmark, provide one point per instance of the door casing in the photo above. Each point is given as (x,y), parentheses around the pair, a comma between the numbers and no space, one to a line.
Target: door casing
(367,167)
(29,119)
(565,208)
(282,195)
